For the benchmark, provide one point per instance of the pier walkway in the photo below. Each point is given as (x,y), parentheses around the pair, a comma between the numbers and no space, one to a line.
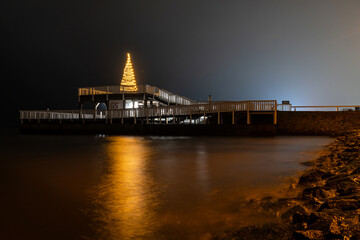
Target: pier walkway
(195,113)
(106,93)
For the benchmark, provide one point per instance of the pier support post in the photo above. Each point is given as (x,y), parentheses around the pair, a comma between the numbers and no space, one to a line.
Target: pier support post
(94,110)
(80,111)
(204,118)
(275,114)
(275,117)
(190,118)
(248,117)
(174,120)
(218,117)
(233,117)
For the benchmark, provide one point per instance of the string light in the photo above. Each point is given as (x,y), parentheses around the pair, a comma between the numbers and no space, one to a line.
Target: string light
(128,81)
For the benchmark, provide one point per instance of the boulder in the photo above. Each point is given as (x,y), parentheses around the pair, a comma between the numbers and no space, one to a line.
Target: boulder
(312,177)
(319,193)
(342,204)
(343,186)
(297,215)
(308,234)
(335,223)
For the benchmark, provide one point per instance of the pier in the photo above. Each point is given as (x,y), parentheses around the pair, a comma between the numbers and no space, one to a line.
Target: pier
(130,108)
(148,107)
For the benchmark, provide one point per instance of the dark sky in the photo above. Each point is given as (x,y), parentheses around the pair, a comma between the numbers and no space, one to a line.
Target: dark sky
(304,51)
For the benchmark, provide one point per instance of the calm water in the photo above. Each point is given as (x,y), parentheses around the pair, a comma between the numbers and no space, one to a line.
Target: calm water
(91,187)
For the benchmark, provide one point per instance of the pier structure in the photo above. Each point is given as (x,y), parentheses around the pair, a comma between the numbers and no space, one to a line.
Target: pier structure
(119,97)
(131,104)
(192,113)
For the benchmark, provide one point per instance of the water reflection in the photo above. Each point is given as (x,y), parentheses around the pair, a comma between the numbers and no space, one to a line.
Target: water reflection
(184,188)
(67,187)
(127,195)
(202,167)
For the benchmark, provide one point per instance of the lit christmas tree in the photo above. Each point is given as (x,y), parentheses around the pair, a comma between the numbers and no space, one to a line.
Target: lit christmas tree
(128,80)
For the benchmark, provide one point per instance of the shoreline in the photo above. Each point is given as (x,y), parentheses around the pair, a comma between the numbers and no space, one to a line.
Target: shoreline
(326,202)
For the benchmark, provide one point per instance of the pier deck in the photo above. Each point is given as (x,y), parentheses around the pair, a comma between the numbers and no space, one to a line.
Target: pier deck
(174,114)
(106,93)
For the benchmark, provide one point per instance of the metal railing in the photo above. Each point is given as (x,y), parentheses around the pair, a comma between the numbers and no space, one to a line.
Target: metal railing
(328,108)
(117,89)
(161,111)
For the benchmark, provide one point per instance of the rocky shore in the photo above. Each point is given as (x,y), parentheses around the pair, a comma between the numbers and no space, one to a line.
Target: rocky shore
(325,202)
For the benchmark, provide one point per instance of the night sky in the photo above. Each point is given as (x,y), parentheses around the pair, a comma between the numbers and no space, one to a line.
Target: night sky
(305,51)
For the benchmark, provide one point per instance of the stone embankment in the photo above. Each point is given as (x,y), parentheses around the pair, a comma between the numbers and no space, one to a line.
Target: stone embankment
(326,202)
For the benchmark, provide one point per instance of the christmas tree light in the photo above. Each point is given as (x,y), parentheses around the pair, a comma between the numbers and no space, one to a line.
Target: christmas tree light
(128,81)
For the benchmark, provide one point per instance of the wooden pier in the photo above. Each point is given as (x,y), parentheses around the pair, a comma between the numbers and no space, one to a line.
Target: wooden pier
(170,114)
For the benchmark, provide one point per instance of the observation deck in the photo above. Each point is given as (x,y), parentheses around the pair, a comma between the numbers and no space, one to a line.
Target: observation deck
(144,93)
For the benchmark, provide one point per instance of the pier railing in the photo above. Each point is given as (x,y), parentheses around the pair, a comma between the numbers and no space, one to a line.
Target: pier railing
(327,108)
(162,111)
(117,89)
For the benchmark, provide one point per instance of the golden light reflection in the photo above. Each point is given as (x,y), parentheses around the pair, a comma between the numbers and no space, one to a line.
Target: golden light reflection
(127,193)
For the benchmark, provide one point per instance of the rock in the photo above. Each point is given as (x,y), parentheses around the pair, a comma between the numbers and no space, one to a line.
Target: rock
(314,216)
(319,192)
(355,237)
(335,223)
(356,171)
(308,234)
(206,236)
(313,177)
(323,220)
(296,215)
(299,218)
(343,204)
(268,203)
(270,231)
(344,186)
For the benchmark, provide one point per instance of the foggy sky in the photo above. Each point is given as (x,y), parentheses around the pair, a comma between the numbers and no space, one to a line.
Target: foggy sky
(306,51)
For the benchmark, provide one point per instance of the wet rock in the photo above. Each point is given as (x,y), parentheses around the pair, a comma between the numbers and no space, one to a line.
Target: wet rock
(319,193)
(297,215)
(286,202)
(268,203)
(314,216)
(351,150)
(308,163)
(334,222)
(343,204)
(312,177)
(206,236)
(343,186)
(356,171)
(355,237)
(271,231)
(308,234)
